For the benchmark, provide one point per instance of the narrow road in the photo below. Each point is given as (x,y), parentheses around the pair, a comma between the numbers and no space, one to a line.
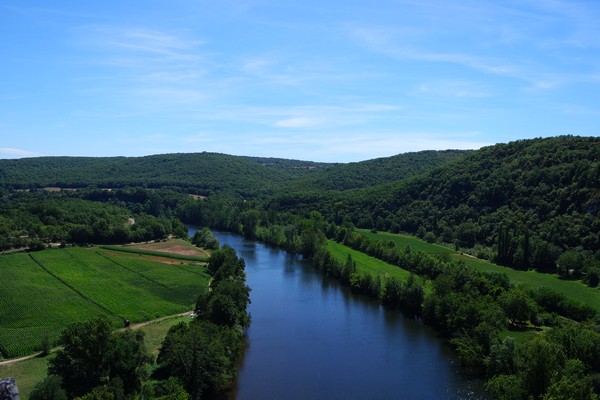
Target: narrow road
(133,327)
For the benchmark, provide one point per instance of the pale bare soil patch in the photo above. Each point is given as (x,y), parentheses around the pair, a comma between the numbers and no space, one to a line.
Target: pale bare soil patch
(175,246)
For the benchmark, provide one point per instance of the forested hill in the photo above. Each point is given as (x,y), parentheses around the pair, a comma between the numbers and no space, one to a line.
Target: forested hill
(530,196)
(205,172)
(377,171)
(212,172)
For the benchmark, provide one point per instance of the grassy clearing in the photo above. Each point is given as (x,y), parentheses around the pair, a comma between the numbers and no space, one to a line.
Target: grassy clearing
(366,264)
(402,241)
(47,290)
(574,290)
(27,373)
(155,333)
(518,336)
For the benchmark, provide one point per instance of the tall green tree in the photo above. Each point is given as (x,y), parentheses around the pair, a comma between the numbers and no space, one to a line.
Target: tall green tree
(92,354)
(202,355)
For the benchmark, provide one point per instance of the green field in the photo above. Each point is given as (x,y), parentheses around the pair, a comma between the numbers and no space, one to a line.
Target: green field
(402,241)
(45,291)
(574,290)
(366,264)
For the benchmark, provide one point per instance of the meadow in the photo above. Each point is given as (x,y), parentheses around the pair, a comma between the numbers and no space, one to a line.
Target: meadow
(574,290)
(366,264)
(45,291)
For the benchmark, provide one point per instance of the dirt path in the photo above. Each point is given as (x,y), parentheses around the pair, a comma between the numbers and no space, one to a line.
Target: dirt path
(154,321)
(133,327)
(16,360)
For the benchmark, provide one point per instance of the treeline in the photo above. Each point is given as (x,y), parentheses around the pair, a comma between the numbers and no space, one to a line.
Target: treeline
(203,354)
(32,220)
(197,360)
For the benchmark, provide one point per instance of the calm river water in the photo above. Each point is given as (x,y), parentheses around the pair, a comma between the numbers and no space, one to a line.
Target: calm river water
(311,338)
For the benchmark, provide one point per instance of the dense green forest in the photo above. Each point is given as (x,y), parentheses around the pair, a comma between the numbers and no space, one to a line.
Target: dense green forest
(203,172)
(206,173)
(530,204)
(34,220)
(373,172)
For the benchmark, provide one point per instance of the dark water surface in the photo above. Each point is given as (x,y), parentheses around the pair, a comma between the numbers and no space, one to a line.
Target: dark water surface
(311,338)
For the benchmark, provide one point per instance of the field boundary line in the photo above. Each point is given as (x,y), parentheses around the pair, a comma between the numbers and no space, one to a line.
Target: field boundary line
(74,289)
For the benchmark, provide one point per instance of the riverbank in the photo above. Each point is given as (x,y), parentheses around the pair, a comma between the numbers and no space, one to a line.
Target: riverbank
(313,338)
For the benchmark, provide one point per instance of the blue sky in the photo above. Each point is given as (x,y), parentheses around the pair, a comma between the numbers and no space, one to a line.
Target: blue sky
(315,80)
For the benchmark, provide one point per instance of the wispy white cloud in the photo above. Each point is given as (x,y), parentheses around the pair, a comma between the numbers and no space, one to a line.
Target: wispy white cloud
(11,152)
(453,89)
(536,42)
(355,145)
(298,122)
(168,45)
(382,41)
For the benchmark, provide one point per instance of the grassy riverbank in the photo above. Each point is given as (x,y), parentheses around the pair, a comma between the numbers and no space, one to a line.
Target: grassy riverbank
(366,264)
(574,290)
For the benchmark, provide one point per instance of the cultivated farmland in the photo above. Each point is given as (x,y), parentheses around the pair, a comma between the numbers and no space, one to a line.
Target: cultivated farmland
(45,291)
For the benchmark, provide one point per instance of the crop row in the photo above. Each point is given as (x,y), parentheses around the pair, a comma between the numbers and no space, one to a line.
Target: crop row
(45,291)
(34,303)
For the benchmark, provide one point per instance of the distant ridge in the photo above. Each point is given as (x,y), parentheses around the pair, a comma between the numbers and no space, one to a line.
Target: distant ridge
(213,172)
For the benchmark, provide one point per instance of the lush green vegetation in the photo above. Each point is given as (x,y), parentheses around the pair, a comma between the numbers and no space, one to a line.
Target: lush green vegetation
(204,354)
(27,373)
(202,172)
(197,359)
(403,240)
(364,263)
(523,202)
(31,372)
(531,205)
(47,290)
(574,290)
(33,220)
(374,172)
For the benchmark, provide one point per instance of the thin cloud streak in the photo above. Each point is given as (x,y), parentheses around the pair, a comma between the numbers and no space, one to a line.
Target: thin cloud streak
(11,152)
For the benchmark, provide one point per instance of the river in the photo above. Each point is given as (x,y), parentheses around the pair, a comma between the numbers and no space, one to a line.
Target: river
(311,338)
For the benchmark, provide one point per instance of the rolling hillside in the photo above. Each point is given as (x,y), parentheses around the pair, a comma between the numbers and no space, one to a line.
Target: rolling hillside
(204,172)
